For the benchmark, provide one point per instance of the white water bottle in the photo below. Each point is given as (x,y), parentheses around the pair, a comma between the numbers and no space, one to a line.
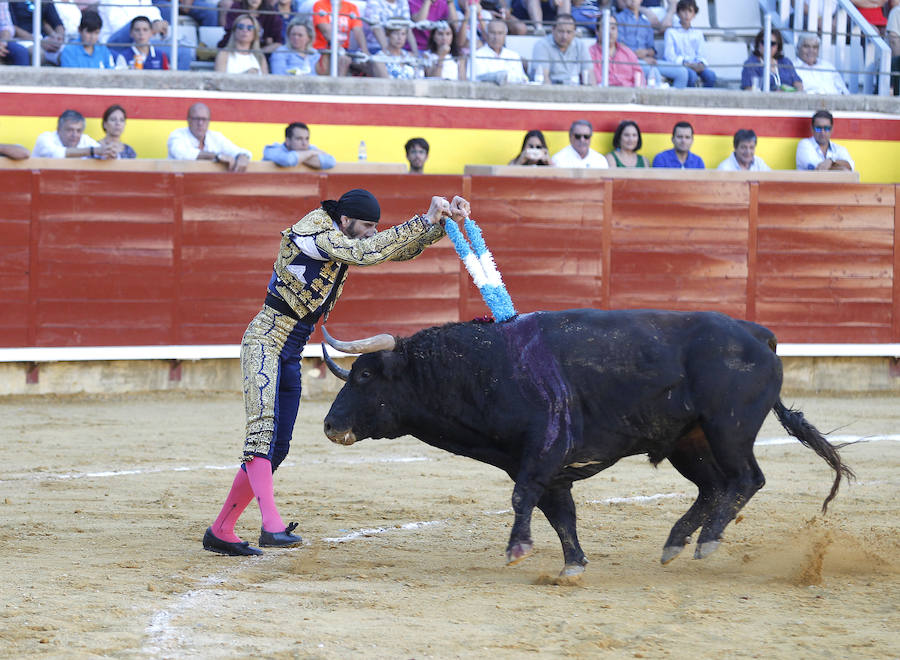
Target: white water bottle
(362,149)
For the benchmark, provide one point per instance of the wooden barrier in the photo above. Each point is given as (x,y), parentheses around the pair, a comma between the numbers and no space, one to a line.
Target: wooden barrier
(92,257)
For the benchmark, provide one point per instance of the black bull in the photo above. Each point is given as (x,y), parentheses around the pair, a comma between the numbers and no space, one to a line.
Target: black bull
(554,397)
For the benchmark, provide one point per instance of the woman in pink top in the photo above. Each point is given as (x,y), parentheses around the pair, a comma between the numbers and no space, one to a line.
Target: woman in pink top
(624,66)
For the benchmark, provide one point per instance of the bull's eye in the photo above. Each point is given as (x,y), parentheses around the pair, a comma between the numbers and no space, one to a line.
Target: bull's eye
(365,374)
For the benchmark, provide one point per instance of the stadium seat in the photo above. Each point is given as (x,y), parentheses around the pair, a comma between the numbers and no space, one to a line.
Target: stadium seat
(210,34)
(738,17)
(726,59)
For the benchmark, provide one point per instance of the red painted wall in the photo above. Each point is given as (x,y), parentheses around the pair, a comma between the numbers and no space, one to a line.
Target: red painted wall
(93,258)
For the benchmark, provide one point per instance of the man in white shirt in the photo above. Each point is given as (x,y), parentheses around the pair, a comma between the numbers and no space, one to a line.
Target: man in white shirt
(818,76)
(744,158)
(818,152)
(196,142)
(579,152)
(496,63)
(69,140)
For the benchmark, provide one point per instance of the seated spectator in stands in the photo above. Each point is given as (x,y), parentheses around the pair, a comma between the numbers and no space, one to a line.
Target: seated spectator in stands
(114,126)
(534,150)
(686,46)
(296,150)
(579,153)
(818,76)
(269,26)
(744,155)
(680,157)
(69,140)
(782,75)
(242,53)
(624,67)
(627,141)
(52,29)
(379,12)
(142,54)
(296,57)
(442,59)
(636,32)
(196,142)
(87,53)
(660,13)
(118,22)
(586,14)
(348,23)
(501,9)
(559,58)
(434,10)
(818,152)
(893,36)
(538,12)
(395,62)
(496,63)
(10,52)
(416,153)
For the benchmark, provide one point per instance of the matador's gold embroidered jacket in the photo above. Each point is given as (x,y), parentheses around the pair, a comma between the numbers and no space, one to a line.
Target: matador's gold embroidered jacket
(305,282)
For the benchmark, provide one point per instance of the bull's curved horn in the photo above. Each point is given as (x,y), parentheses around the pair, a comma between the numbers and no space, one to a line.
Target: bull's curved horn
(333,367)
(369,345)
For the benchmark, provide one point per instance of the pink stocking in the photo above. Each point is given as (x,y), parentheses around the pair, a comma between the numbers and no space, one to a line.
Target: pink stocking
(259,470)
(238,498)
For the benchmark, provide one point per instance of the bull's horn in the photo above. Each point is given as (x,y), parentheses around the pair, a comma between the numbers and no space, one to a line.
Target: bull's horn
(369,345)
(333,367)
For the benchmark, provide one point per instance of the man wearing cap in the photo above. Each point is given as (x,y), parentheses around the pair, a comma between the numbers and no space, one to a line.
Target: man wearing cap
(307,279)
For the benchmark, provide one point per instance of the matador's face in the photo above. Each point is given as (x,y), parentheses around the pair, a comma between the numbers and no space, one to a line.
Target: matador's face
(354,228)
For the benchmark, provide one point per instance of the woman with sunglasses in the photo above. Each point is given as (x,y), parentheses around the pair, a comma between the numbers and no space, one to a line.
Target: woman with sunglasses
(782,76)
(242,53)
(270,27)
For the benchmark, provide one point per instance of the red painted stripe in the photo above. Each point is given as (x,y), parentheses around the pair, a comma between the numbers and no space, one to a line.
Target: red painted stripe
(346,111)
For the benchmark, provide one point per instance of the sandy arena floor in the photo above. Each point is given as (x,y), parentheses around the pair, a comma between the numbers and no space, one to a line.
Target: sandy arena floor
(104,502)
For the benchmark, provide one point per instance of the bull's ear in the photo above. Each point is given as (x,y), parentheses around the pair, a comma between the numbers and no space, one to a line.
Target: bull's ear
(394,364)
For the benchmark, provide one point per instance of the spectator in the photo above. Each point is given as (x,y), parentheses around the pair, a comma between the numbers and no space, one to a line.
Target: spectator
(118,22)
(686,46)
(627,141)
(817,75)
(288,10)
(69,140)
(296,150)
(296,57)
(496,63)
(624,67)
(534,150)
(537,12)
(636,32)
(434,10)
(269,25)
(893,36)
(348,23)
(417,153)
(204,12)
(744,155)
(442,58)
(142,54)
(818,152)
(196,142)
(395,62)
(500,9)
(114,126)
(379,12)
(579,153)
(782,75)
(10,52)
(87,53)
(242,53)
(873,12)
(660,13)
(680,157)
(586,14)
(52,29)
(559,58)
(14,151)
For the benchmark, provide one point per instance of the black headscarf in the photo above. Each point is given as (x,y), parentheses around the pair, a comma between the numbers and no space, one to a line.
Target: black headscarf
(357,203)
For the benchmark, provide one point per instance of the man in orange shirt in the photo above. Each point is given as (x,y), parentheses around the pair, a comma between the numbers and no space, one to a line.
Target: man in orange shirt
(348,23)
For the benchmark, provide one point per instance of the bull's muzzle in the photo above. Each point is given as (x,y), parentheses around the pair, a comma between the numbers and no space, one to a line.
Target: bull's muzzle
(347,437)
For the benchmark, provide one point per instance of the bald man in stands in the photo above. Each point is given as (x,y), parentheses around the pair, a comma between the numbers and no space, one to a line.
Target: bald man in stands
(196,142)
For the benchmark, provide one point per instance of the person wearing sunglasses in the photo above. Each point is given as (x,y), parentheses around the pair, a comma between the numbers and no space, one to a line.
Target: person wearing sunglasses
(818,152)
(579,152)
(242,53)
(782,75)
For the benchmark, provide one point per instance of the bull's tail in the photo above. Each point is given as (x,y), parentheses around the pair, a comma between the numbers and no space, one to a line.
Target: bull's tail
(796,424)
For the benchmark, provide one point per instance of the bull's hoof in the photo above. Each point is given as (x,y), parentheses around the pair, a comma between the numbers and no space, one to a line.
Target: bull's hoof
(704,550)
(518,553)
(571,570)
(670,552)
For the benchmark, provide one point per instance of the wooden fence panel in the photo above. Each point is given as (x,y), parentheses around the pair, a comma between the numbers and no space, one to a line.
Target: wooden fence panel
(15,253)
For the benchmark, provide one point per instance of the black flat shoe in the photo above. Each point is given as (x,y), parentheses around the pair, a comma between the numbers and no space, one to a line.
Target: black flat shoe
(280,539)
(213,543)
